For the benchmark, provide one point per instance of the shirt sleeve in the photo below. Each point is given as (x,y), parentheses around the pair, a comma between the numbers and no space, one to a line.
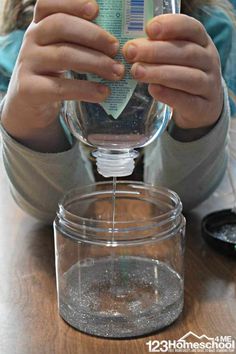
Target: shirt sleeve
(39,180)
(222,30)
(192,169)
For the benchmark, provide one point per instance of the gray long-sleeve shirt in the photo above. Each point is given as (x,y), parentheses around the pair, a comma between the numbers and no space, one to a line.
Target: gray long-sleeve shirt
(192,169)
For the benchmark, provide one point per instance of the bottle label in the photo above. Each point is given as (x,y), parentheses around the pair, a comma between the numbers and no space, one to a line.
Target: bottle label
(126,20)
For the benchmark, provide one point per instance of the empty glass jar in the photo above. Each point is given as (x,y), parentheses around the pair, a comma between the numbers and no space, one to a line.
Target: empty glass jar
(119,263)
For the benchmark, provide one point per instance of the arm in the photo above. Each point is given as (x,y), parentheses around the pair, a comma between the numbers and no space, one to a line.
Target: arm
(38,180)
(193,169)
(40,163)
(181,64)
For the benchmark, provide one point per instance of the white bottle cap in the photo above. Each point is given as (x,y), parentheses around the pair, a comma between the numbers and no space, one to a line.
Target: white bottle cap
(115,163)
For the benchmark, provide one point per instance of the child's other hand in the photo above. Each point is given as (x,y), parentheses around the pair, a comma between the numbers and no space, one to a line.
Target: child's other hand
(60,38)
(181,65)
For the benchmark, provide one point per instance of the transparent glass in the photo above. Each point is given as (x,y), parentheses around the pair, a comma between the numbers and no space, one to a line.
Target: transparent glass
(142,120)
(121,278)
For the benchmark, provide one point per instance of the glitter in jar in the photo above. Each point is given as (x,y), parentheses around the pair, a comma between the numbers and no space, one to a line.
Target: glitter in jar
(121,297)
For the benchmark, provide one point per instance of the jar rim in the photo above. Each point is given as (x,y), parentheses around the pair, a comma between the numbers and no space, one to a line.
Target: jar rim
(91,230)
(81,191)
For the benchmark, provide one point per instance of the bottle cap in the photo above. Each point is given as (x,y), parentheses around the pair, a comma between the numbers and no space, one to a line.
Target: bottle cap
(219,230)
(115,163)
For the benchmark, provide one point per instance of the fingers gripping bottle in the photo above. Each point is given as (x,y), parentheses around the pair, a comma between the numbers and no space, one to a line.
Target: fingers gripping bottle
(129,118)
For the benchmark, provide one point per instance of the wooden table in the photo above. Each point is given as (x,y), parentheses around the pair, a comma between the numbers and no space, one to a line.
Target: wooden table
(29,321)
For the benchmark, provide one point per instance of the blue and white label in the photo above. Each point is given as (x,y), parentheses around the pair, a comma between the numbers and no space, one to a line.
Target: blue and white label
(134,18)
(125,19)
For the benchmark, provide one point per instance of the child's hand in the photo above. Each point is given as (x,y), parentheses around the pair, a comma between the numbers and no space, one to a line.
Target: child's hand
(182,66)
(59,39)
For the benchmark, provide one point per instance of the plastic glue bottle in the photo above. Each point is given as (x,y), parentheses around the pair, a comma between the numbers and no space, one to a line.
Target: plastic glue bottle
(129,118)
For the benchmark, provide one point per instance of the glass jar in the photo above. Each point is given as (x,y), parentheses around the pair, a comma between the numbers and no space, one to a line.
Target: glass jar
(120,274)
(130,118)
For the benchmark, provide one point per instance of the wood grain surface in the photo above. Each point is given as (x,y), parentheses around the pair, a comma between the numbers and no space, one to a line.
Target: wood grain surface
(29,321)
